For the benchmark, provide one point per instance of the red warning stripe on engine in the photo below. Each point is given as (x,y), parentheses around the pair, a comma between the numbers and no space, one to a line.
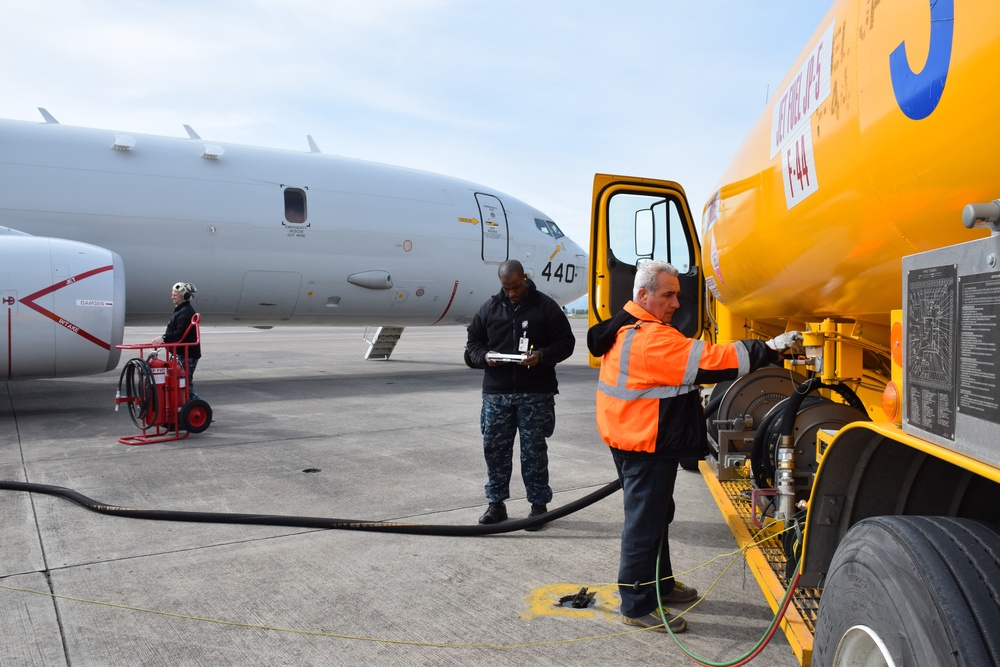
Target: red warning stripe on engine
(29,301)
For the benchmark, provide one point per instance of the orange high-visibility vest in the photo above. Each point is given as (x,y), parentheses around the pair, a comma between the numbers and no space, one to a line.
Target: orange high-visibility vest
(649,364)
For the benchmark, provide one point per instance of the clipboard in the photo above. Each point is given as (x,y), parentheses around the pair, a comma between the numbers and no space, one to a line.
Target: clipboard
(497,356)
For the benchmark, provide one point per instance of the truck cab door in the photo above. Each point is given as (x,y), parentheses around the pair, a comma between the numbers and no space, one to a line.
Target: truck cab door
(639,219)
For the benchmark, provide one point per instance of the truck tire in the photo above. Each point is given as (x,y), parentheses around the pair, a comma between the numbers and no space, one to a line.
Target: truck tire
(912,590)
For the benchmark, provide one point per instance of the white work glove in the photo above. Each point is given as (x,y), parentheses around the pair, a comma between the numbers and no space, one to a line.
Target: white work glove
(790,340)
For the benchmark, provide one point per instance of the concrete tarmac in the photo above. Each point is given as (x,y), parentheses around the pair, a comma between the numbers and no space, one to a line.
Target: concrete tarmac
(304,426)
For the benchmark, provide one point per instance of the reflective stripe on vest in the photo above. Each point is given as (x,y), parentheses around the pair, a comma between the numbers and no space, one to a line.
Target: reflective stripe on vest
(742,359)
(621,391)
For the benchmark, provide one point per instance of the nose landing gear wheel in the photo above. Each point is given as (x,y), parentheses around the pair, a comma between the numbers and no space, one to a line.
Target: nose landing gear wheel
(195,417)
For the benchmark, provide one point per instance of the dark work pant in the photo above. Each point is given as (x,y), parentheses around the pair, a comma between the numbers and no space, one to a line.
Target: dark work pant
(648,495)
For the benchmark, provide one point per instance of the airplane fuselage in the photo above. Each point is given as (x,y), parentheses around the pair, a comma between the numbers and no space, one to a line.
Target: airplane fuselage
(221,224)
(270,236)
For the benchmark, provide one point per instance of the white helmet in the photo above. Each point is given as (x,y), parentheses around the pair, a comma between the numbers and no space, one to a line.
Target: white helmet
(186,290)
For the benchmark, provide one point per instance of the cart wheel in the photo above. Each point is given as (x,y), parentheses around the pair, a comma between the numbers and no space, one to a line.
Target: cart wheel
(195,416)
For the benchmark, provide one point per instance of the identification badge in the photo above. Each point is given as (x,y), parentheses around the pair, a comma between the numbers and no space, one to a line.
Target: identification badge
(522,344)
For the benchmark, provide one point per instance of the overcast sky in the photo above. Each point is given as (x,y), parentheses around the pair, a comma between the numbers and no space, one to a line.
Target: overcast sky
(530,97)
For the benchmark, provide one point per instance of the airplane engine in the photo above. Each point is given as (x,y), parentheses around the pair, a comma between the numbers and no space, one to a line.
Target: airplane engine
(62,307)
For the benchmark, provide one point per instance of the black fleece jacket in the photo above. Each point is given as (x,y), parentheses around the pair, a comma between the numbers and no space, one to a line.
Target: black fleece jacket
(179,322)
(499,325)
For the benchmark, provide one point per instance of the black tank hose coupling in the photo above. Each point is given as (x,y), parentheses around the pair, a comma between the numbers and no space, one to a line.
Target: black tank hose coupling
(785,481)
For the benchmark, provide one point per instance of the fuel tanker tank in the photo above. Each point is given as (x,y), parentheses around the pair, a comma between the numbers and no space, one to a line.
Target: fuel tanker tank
(883,130)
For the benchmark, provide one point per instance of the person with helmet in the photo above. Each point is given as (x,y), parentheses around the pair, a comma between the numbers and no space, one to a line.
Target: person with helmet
(649,413)
(179,323)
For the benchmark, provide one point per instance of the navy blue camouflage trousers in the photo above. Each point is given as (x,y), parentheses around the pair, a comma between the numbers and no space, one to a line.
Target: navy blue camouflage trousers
(533,416)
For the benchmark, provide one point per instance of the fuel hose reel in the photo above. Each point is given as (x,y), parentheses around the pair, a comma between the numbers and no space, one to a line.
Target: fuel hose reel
(801,416)
(735,411)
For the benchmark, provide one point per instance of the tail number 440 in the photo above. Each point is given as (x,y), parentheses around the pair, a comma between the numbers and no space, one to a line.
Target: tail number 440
(562,273)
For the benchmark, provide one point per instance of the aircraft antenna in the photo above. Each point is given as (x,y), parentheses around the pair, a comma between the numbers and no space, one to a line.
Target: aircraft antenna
(191,133)
(49,118)
(313,147)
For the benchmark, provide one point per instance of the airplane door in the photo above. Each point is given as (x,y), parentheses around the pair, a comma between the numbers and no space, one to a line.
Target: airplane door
(269,294)
(494,226)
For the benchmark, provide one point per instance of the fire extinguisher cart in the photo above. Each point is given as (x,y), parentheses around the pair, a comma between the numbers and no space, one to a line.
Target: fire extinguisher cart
(158,394)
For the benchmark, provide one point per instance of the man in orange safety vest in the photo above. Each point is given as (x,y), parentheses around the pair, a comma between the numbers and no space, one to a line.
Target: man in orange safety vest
(649,413)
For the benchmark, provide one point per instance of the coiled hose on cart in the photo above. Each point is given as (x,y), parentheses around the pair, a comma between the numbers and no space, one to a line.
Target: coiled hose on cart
(313,522)
(136,383)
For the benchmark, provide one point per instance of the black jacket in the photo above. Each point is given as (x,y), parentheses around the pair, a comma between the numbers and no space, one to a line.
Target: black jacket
(177,325)
(498,328)
(602,335)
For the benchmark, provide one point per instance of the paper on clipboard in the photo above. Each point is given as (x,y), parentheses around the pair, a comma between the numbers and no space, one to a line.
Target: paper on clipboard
(497,356)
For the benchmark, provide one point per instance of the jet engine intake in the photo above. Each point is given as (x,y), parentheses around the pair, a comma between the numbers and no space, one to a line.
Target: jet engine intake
(62,307)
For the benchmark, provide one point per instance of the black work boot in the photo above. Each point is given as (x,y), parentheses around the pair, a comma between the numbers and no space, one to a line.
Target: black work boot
(495,513)
(535,511)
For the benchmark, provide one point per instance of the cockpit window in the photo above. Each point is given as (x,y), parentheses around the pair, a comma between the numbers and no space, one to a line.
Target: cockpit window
(549,227)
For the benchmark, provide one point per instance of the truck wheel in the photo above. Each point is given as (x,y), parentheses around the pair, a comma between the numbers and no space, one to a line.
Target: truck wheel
(195,417)
(911,590)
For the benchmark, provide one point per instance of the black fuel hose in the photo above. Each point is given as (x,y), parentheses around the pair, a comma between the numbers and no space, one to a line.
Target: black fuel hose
(787,424)
(313,522)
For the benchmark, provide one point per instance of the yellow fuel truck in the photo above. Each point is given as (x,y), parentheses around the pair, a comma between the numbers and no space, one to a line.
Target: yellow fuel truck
(862,210)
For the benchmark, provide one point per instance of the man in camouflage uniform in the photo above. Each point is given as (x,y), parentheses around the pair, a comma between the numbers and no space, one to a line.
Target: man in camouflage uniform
(518,396)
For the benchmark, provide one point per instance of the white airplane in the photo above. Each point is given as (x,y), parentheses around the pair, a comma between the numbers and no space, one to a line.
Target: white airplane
(267,236)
